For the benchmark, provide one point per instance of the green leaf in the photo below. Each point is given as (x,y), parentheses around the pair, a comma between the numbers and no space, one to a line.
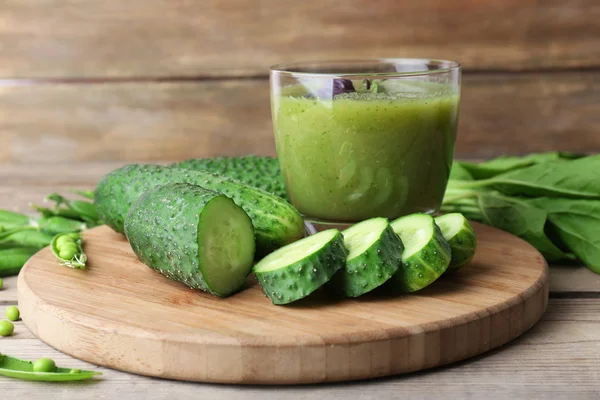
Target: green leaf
(88,194)
(500,165)
(572,179)
(577,223)
(521,219)
(459,172)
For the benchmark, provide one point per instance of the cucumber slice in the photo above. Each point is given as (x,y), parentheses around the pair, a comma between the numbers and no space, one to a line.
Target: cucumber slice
(375,254)
(300,268)
(461,238)
(426,253)
(194,236)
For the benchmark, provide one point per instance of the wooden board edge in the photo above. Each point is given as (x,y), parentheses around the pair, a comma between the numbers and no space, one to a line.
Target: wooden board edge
(407,353)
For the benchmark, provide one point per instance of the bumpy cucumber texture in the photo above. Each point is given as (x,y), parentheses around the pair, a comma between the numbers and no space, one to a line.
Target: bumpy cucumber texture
(461,238)
(194,236)
(297,270)
(375,254)
(276,222)
(260,172)
(426,253)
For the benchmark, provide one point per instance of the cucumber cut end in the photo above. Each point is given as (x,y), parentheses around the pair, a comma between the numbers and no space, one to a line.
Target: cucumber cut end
(226,245)
(450,224)
(415,230)
(295,252)
(358,238)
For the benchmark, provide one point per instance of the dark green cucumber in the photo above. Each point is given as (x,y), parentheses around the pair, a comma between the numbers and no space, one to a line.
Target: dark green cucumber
(296,270)
(260,172)
(276,222)
(460,236)
(375,254)
(194,236)
(426,253)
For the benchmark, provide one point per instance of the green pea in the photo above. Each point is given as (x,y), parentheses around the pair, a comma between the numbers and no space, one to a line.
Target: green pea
(44,365)
(68,251)
(6,328)
(12,313)
(72,235)
(75,371)
(63,240)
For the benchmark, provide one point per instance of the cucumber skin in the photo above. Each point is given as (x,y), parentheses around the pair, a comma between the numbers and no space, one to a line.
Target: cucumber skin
(298,280)
(411,275)
(162,228)
(462,247)
(276,222)
(372,268)
(260,172)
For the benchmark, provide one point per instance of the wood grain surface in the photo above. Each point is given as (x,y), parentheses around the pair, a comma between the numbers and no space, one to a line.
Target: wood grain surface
(173,120)
(112,38)
(119,313)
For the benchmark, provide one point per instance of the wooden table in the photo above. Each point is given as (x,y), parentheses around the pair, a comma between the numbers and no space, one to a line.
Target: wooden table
(558,358)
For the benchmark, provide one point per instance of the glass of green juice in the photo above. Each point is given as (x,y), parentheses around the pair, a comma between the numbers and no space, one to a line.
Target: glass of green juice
(366,138)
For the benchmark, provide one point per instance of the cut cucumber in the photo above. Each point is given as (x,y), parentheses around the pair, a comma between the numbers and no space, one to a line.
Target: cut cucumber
(194,236)
(426,253)
(276,222)
(298,269)
(460,236)
(375,254)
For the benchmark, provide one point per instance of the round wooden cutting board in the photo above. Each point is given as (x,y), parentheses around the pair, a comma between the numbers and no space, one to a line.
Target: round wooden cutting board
(120,314)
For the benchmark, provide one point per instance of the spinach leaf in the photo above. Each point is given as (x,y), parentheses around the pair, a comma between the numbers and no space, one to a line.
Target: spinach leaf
(522,219)
(577,223)
(573,179)
(500,165)
(459,172)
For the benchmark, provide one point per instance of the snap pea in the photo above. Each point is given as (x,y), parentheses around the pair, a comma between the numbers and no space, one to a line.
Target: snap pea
(6,328)
(11,219)
(12,260)
(1,283)
(57,212)
(25,237)
(68,248)
(55,225)
(72,209)
(21,369)
(84,208)
(12,313)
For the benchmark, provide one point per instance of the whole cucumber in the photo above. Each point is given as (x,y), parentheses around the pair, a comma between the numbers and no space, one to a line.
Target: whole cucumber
(276,222)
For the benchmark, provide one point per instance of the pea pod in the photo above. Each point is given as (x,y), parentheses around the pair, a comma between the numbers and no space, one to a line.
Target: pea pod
(83,208)
(57,212)
(56,225)
(21,369)
(25,237)
(10,219)
(12,260)
(68,248)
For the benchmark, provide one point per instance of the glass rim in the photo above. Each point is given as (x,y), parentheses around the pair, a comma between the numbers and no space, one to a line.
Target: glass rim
(289,68)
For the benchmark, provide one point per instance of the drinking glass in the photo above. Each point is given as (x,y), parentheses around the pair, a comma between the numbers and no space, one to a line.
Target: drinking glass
(365,138)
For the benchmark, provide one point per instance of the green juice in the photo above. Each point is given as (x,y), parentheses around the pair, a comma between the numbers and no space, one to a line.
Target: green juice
(363,155)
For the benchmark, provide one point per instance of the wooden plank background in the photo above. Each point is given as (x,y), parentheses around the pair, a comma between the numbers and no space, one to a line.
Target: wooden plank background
(170,79)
